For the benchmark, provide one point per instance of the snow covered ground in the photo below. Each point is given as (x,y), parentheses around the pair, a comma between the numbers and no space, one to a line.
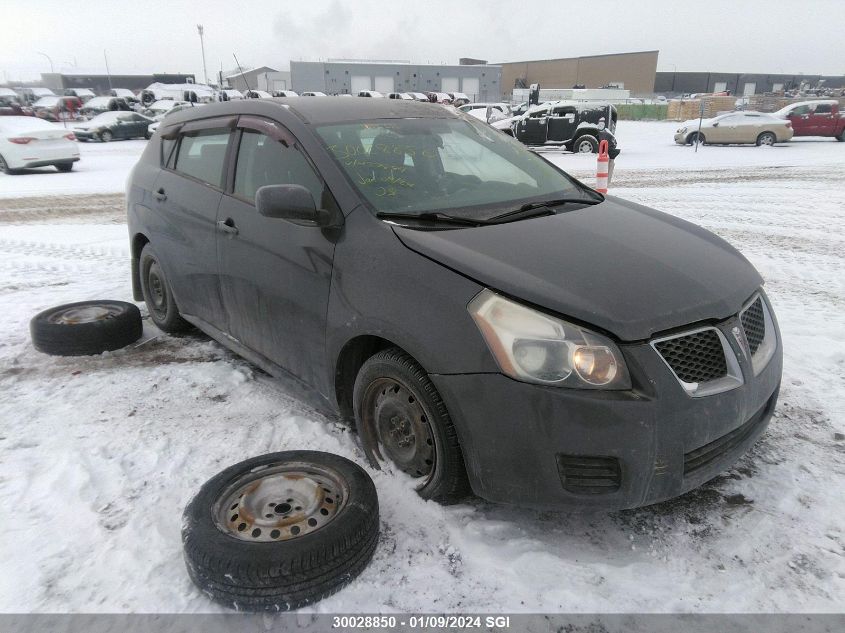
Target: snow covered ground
(98,456)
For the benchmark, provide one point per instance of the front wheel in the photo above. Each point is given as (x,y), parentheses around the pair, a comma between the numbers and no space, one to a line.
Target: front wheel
(401,418)
(767,138)
(586,145)
(65,167)
(158,295)
(106,136)
(695,135)
(841,136)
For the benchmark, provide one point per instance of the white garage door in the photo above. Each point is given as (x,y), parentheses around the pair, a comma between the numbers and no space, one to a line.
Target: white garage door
(449,84)
(384,85)
(749,89)
(471,88)
(359,83)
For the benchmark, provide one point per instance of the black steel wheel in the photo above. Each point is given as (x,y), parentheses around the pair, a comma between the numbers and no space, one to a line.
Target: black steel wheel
(401,418)
(161,304)
(86,327)
(281,531)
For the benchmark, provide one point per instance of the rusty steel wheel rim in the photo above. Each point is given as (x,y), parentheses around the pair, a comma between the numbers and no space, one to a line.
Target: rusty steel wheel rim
(401,427)
(84,314)
(280,502)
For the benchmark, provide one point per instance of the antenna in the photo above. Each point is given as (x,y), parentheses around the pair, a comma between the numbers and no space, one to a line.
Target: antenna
(248,89)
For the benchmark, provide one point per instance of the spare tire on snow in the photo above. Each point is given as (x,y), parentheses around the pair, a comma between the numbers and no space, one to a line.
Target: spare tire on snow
(281,531)
(86,327)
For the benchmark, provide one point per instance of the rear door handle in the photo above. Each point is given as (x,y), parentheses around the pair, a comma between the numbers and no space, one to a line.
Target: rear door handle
(227,226)
(160,196)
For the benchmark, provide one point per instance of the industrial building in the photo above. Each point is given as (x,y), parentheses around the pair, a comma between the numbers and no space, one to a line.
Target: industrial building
(679,83)
(632,71)
(263,78)
(480,82)
(58,82)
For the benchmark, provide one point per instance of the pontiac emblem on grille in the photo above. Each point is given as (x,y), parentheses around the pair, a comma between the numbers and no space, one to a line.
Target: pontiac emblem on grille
(740,339)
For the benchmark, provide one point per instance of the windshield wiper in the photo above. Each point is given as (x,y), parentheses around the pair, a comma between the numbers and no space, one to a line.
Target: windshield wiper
(430,217)
(536,209)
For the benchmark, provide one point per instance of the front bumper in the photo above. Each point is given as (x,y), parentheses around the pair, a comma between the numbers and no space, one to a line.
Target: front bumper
(85,135)
(681,138)
(524,444)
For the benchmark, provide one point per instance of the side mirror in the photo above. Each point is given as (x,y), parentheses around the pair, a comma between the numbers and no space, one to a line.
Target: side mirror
(716,124)
(291,202)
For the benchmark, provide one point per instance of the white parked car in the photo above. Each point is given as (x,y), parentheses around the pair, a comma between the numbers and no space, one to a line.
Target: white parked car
(158,109)
(488,112)
(26,142)
(419,96)
(257,94)
(314,93)
(230,94)
(285,93)
(370,93)
(400,95)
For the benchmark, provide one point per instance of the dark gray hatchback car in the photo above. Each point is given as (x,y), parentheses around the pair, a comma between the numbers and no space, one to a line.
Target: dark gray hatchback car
(490,323)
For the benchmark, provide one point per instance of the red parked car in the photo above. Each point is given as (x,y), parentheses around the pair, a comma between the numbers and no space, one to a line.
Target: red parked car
(815,118)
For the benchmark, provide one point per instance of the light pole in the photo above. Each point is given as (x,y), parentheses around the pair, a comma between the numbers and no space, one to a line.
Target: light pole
(49,59)
(200,30)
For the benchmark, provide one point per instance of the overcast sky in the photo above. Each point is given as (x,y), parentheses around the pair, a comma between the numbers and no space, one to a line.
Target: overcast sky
(144,36)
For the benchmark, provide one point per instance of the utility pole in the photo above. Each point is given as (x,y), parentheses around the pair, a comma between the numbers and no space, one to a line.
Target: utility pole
(200,30)
(108,72)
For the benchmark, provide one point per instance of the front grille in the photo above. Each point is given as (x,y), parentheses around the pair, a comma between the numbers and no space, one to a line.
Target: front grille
(754,325)
(712,452)
(695,358)
(589,475)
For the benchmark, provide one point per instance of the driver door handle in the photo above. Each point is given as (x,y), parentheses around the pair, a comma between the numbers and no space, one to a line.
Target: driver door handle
(227,226)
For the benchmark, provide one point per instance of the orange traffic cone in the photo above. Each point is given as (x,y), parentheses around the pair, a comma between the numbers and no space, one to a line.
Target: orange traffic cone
(602,168)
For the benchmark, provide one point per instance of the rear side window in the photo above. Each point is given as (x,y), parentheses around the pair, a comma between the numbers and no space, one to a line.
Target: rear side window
(202,154)
(265,161)
(824,108)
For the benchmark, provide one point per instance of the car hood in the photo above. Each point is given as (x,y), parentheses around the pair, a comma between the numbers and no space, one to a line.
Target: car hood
(620,266)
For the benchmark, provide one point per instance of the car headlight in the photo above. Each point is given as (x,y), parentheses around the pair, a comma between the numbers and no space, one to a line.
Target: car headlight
(534,347)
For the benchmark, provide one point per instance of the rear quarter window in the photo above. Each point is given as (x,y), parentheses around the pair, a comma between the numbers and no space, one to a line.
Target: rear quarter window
(201,155)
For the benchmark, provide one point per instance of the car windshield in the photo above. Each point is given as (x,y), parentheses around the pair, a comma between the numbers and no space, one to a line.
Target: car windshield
(414,166)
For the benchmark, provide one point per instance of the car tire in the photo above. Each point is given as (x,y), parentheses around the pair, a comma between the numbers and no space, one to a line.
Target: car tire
(64,167)
(287,558)
(147,136)
(5,169)
(841,136)
(401,417)
(86,328)
(106,136)
(158,295)
(767,138)
(691,138)
(586,144)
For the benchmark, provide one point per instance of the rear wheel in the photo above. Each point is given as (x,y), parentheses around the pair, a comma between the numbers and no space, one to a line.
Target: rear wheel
(4,167)
(586,144)
(841,136)
(158,295)
(767,138)
(401,418)
(64,167)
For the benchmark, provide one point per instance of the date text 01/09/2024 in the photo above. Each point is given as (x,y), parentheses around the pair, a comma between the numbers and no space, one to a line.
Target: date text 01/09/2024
(420,621)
